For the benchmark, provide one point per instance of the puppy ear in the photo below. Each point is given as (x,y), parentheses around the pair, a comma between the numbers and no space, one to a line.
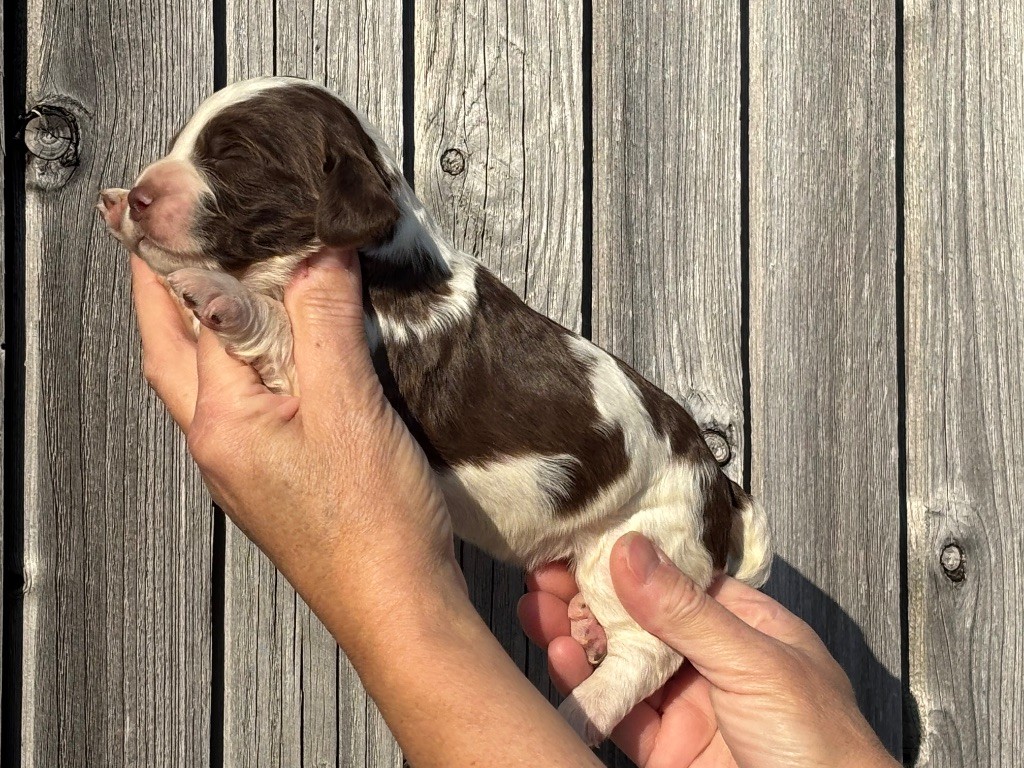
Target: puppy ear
(355,205)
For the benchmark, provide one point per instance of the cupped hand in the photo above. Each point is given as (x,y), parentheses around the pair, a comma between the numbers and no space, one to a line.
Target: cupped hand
(330,484)
(759,687)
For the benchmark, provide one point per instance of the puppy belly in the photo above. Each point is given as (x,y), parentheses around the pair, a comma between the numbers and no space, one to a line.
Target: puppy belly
(510,508)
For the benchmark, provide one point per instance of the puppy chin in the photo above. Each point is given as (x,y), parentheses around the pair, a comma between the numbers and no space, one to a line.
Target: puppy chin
(163,260)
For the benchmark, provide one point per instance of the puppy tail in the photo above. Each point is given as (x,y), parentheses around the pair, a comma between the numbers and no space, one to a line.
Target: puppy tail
(750,540)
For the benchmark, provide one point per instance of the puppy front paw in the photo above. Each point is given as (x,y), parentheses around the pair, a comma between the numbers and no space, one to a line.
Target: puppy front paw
(111,206)
(218,301)
(253,328)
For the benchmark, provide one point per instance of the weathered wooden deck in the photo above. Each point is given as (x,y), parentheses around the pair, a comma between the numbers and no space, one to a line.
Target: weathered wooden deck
(807,215)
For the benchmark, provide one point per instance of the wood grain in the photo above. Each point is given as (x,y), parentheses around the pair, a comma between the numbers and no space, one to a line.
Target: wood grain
(965,351)
(498,96)
(666,108)
(117,631)
(666,210)
(291,697)
(823,328)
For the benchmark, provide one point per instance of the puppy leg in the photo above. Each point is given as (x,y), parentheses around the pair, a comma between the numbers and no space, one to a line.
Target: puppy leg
(636,666)
(637,663)
(252,327)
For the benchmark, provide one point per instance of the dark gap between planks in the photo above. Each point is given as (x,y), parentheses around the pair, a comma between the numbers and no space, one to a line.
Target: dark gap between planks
(218,575)
(911,735)
(15,76)
(748,450)
(587,288)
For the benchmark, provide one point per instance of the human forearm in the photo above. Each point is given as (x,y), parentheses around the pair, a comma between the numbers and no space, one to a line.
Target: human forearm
(449,692)
(868,752)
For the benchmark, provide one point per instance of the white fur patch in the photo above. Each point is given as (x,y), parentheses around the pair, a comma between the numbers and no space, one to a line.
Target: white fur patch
(225,97)
(508,506)
(457,306)
(271,276)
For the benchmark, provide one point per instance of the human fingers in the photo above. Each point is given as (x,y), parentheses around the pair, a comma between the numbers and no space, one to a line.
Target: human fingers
(544,617)
(690,716)
(675,733)
(553,578)
(325,307)
(168,348)
(671,606)
(567,664)
(229,390)
(221,375)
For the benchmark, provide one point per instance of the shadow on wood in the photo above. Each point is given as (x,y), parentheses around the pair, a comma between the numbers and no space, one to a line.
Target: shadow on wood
(845,640)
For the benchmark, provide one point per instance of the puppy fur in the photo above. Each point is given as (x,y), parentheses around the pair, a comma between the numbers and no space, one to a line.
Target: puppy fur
(546,446)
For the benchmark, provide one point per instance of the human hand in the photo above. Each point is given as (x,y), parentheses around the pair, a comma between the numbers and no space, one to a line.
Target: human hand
(759,688)
(329,484)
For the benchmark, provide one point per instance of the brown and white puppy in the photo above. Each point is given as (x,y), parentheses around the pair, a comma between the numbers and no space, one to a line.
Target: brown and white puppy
(546,447)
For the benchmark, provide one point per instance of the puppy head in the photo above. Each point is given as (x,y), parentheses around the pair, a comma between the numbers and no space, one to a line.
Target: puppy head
(265,168)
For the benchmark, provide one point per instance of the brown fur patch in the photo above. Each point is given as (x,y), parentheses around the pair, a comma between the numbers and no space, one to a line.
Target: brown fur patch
(271,158)
(502,384)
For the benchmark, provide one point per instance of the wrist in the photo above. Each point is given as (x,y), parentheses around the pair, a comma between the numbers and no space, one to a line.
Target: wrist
(868,753)
(379,608)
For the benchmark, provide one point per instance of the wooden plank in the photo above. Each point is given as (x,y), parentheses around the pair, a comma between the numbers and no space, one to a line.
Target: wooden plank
(499,141)
(964,354)
(666,259)
(823,328)
(666,210)
(291,698)
(117,631)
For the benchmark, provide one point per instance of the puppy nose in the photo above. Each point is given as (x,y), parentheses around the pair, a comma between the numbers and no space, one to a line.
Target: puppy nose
(138,200)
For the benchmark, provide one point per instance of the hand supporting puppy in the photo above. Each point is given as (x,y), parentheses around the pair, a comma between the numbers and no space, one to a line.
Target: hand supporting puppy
(759,688)
(311,480)
(334,489)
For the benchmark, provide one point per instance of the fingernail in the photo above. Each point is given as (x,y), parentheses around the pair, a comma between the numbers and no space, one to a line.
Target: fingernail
(332,258)
(325,258)
(642,558)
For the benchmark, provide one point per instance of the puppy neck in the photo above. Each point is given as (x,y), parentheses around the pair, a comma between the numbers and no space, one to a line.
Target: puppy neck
(418,250)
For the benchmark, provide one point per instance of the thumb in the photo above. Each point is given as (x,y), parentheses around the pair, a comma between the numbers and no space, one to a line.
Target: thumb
(673,608)
(325,307)
(219,374)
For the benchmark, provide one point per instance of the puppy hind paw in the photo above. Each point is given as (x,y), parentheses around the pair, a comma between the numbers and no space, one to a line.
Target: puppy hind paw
(586,630)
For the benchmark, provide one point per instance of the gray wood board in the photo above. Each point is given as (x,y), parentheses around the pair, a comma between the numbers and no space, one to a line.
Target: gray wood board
(965,351)
(117,631)
(666,111)
(823,328)
(499,142)
(291,697)
(666,205)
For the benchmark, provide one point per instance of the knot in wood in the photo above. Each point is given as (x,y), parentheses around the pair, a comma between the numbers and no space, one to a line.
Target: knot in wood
(453,162)
(952,560)
(51,134)
(719,445)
